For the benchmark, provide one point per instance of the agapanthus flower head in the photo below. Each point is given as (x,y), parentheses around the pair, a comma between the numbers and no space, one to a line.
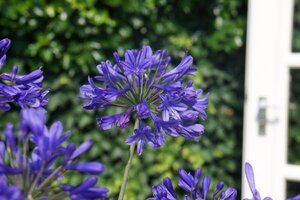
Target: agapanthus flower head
(151,91)
(33,162)
(23,90)
(194,188)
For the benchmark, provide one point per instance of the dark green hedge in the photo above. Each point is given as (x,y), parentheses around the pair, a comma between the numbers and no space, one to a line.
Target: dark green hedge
(68,38)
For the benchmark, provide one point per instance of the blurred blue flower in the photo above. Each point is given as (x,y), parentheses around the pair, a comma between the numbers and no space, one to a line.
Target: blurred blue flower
(297,197)
(190,184)
(24,90)
(4,46)
(86,190)
(10,192)
(36,160)
(163,191)
(148,89)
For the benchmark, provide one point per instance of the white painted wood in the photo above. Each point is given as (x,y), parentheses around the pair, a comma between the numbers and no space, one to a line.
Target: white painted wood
(268,61)
(293,60)
(282,100)
(292,172)
(262,44)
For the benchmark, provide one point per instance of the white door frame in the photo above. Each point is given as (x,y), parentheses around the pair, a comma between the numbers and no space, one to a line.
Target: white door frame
(268,63)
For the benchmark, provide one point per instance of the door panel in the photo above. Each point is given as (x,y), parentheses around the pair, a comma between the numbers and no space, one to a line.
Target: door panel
(271,120)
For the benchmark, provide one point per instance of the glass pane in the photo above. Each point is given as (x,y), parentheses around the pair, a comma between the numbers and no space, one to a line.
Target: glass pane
(294,118)
(296,29)
(292,188)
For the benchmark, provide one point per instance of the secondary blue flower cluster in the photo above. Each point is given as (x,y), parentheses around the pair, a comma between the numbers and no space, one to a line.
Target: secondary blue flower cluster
(144,84)
(33,162)
(24,90)
(190,184)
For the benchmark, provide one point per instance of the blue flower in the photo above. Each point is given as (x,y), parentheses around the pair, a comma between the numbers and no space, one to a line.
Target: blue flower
(229,194)
(188,182)
(4,46)
(121,120)
(142,110)
(163,191)
(24,90)
(251,181)
(47,162)
(250,178)
(87,190)
(141,135)
(191,185)
(10,192)
(150,91)
(297,197)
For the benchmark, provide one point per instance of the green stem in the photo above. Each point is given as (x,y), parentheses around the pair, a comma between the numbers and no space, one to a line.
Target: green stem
(50,177)
(35,181)
(59,196)
(127,168)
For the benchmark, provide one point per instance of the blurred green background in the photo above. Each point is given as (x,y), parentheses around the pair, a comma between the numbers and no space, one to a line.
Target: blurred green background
(294,105)
(68,38)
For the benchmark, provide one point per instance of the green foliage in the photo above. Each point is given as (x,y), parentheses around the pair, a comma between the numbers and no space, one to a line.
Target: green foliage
(68,38)
(294,118)
(296,25)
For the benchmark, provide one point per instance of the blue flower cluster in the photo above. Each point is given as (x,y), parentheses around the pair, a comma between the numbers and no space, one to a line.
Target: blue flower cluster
(34,159)
(144,84)
(190,184)
(24,90)
(33,162)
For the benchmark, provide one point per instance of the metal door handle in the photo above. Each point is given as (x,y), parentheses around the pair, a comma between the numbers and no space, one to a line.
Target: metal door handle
(262,115)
